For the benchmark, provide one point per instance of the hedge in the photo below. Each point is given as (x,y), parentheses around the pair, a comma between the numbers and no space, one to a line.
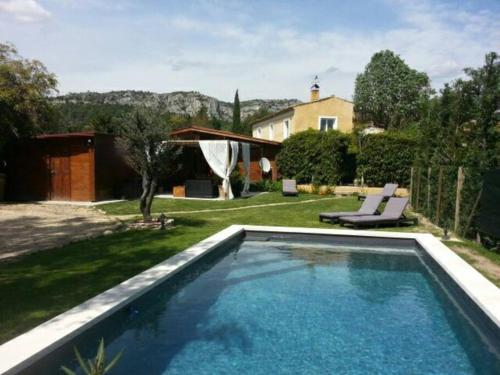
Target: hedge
(316,157)
(386,157)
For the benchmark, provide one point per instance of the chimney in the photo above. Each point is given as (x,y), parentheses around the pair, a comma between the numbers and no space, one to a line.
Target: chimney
(315,90)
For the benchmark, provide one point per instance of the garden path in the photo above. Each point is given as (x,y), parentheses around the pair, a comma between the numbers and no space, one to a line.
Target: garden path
(29,227)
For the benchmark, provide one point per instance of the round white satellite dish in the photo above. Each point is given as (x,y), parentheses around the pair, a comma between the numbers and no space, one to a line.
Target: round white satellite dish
(265,165)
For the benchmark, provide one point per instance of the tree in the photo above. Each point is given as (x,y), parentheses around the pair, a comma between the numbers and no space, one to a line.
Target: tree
(389,92)
(201,118)
(483,135)
(237,115)
(24,88)
(216,123)
(261,112)
(460,127)
(145,140)
(177,121)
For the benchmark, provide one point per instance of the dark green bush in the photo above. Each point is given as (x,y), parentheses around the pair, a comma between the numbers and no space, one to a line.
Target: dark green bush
(315,157)
(267,185)
(386,157)
(237,181)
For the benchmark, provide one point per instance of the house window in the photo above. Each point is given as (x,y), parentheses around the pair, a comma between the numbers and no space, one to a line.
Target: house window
(326,123)
(271,132)
(286,129)
(259,132)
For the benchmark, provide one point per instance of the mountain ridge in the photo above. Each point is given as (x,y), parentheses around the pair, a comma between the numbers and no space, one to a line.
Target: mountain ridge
(177,102)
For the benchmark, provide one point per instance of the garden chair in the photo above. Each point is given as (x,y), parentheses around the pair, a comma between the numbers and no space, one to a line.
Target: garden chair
(290,188)
(393,214)
(388,192)
(369,207)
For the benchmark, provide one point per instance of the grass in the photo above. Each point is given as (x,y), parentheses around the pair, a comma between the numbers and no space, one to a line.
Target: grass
(180,205)
(44,284)
(485,261)
(41,285)
(476,248)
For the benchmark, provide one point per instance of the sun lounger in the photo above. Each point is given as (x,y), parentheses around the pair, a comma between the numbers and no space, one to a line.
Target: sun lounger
(369,207)
(388,191)
(392,215)
(290,188)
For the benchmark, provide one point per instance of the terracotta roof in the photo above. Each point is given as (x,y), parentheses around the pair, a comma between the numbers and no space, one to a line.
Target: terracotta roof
(320,100)
(70,135)
(221,134)
(293,106)
(275,114)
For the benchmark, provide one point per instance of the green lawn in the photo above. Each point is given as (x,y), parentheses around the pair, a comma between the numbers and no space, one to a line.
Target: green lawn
(177,205)
(39,286)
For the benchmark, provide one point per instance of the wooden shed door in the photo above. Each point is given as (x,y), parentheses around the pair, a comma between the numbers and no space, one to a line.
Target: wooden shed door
(60,177)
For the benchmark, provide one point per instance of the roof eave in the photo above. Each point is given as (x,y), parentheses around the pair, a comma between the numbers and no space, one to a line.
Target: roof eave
(276,114)
(223,134)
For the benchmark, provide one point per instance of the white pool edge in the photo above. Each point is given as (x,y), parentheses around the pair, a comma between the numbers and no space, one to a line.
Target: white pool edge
(25,349)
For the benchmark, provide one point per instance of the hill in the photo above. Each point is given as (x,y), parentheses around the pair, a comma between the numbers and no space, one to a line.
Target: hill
(183,103)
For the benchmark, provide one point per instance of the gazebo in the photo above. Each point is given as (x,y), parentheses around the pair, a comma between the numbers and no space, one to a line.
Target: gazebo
(210,152)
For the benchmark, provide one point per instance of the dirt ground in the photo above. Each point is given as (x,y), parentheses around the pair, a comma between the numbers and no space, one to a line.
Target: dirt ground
(32,227)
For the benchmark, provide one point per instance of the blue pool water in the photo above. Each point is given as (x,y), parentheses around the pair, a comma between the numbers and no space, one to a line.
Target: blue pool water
(292,308)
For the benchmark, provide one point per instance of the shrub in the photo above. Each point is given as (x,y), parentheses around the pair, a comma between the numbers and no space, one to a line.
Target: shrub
(267,185)
(386,157)
(315,157)
(97,366)
(237,181)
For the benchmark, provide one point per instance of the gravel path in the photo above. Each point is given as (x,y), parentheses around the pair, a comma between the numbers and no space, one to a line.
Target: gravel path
(29,227)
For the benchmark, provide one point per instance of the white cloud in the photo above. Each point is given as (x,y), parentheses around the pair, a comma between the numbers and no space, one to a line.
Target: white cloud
(264,59)
(101,5)
(433,38)
(24,10)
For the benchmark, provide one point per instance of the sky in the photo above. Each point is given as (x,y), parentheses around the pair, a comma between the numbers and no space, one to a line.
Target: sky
(266,49)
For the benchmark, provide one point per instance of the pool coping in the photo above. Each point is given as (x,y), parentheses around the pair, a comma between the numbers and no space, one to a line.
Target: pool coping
(25,349)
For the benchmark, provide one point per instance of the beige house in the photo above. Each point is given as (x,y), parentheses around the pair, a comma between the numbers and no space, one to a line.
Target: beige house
(322,114)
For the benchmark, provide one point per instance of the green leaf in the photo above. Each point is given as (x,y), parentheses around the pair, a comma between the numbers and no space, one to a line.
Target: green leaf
(113,362)
(81,362)
(67,371)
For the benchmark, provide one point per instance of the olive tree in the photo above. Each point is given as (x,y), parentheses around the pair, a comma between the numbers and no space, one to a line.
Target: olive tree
(145,140)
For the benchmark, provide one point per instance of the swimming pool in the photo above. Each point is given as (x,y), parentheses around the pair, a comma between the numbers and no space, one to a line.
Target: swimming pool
(297,301)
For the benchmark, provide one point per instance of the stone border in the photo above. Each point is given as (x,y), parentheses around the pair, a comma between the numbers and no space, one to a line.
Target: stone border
(25,349)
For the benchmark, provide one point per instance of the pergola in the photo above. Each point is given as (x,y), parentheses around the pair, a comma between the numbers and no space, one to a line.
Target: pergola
(224,150)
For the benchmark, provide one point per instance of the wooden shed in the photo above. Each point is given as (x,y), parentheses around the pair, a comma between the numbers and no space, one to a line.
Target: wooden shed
(83,166)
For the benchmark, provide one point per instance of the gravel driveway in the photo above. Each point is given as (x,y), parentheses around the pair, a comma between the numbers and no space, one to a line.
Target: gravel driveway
(28,227)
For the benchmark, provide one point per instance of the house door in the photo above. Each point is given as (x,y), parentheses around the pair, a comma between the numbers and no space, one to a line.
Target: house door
(60,177)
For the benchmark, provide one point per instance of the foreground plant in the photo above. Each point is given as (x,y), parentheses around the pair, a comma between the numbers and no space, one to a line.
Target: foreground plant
(97,366)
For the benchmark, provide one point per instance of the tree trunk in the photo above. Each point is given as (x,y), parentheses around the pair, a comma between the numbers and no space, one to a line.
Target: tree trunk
(149,199)
(148,190)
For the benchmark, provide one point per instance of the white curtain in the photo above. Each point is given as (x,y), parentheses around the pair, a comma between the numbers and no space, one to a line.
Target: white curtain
(245,151)
(222,163)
